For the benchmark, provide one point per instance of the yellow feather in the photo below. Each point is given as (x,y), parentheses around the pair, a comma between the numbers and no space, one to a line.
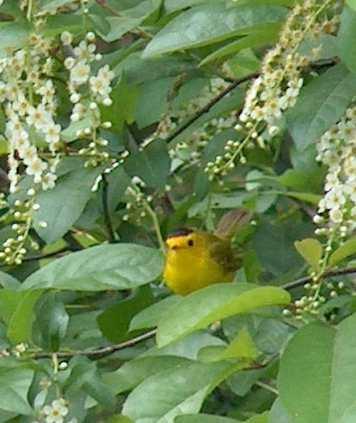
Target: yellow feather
(192,264)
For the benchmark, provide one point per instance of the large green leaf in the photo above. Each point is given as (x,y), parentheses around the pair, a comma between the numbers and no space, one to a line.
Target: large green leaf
(133,372)
(152,164)
(15,382)
(9,282)
(279,414)
(119,266)
(17,310)
(347,37)
(122,314)
(321,104)
(130,19)
(256,39)
(311,250)
(317,373)
(345,250)
(150,316)
(51,323)
(203,307)
(203,418)
(62,206)
(13,34)
(208,24)
(162,397)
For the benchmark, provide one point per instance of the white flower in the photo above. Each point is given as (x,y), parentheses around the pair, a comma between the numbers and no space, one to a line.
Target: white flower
(38,117)
(79,74)
(336,215)
(48,181)
(28,154)
(106,74)
(35,168)
(69,62)
(20,139)
(66,38)
(52,133)
(56,412)
(335,198)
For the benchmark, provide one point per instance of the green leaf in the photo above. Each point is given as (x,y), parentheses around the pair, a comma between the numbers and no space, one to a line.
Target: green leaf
(20,323)
(150,316)
(131,18)
(153,101)
(241,347)
(279,414)
(52,322)
(133,372)
(326,389)
(321,104)
(152,164)
(70,133)
(52,6)
(256,39)
(13,34)
(119,266)
(122,314)
(261,418)
(209,24)
(347,249)
(8,282)
(14,385)
(55,25)
(351,3)
(62,206)
(347,36)
(216,302)
(203,418)
(173,392)
(124,97)
(311,250)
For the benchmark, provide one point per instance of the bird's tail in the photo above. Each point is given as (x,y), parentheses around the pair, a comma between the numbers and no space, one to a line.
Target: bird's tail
(231,222)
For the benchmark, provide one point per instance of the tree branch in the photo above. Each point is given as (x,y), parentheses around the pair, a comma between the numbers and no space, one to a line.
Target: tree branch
(107,218)
(209,105)
(100,352)
(316,65)
(306,279)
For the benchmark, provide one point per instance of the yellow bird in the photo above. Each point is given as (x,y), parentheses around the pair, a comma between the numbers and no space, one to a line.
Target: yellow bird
(196,259)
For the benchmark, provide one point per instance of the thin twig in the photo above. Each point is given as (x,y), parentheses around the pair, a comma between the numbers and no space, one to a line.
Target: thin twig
(267,387)
(306,279)
(231,87)
(107,218)
(209,105)
(100,352)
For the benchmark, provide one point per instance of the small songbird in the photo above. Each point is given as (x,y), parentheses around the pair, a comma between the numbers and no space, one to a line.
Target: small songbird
(196,259)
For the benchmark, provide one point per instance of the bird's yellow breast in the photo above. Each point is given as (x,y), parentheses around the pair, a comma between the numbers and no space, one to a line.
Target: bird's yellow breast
(189,268)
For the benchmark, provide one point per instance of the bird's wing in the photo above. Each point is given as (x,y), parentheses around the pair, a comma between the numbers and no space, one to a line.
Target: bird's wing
(220,251)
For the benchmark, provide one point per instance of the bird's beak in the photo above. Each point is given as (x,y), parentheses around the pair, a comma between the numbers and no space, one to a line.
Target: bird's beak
(172,244)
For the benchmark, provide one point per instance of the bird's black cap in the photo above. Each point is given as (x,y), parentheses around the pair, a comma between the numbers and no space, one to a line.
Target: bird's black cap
(180,232)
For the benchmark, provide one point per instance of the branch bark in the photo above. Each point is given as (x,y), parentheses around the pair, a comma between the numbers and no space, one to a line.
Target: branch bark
(100,352)
(306,279)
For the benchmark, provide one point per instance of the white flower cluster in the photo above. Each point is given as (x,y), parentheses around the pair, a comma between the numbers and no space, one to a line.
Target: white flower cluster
(189,151)
(29,98)
(87,92)
(19,215)
(337,150)
(276,89)
(56,412)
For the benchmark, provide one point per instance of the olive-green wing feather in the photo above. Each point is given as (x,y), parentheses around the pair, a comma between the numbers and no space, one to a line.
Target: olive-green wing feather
(220,251)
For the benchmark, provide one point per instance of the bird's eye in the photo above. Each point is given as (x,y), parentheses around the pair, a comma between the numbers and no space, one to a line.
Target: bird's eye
(190,243)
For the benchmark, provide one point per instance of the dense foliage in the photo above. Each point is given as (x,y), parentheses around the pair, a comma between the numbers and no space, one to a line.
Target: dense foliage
(124,120)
